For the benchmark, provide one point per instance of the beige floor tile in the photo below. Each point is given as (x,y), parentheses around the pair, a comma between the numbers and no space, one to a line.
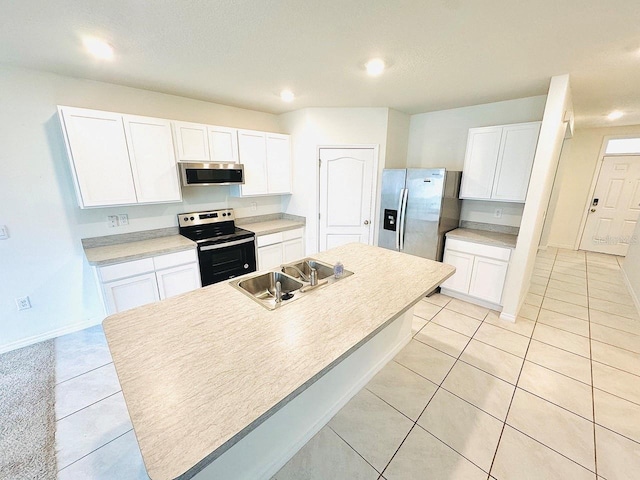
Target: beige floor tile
(602,258)
(617,296)
(424,456)
(615,337)
(623,384)
(468,309)
(426,361)
(614,321)
(438,299)
(566,308)
(559,429)
(615,357)
(574,264)
(602,269)
(569,297)
(539,280)
(561,361)
(522,325)
(485,391)
(562,339)
(465,428)
(577,271)
(617,414)
(457,321)
(541,272)
(564,322)
(568,287)
(529,311)
(326,455)
(426,310)
(537,289)
(610,278)
(522,458)
(443,339)
(606,286)
(493,360)
(542,261)
(80,352)
(374,429)
(502,339)
(533,299)
(618,457)
(552,386)
(403,389)
(561,277)
(417,323)
(86,389)
(627,311)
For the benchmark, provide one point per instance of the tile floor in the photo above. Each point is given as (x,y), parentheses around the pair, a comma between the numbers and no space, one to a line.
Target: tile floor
(555,395)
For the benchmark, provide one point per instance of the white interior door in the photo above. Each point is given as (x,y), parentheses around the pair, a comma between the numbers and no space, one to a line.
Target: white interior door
(346,196)
(615,206)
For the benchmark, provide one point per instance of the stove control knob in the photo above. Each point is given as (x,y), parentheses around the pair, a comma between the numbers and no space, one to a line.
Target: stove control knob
(192,218)
(246,265)
(186,219)
(224,214)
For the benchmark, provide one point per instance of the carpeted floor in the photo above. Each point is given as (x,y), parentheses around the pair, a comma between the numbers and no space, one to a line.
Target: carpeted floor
(27,413)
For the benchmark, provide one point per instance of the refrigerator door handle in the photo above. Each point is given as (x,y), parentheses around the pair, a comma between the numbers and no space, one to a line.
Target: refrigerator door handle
(403,215)
(399,219)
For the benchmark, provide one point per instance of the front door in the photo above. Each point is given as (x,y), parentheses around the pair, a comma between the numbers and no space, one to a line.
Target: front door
(346,196)
(614,208)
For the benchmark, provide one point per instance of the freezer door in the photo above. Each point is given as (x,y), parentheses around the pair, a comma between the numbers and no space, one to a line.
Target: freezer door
(392,185)
(424,204)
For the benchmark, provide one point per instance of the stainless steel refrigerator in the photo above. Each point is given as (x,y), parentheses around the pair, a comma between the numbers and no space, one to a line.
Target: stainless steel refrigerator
(417,207)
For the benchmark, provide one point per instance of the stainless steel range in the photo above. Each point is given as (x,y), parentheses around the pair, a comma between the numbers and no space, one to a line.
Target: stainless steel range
(224,250)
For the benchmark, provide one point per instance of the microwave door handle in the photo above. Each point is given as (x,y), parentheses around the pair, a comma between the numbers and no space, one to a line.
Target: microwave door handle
(398,218)
(403,216)
(225,245)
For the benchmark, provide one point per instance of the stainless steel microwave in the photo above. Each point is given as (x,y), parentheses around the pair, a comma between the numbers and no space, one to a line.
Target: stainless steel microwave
(211,173)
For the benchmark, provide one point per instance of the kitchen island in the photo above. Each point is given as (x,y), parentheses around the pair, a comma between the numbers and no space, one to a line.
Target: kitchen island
(213,379)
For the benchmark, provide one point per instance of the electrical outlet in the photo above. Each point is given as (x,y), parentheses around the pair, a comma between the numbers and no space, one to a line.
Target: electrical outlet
(23,303)
(112,221)
(4,233)
(498,213)
(123,219)
(254,206)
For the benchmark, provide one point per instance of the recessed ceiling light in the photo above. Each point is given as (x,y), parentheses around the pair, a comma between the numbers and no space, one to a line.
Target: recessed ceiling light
(287,96)
(98,48)
(375,67)
(616,114)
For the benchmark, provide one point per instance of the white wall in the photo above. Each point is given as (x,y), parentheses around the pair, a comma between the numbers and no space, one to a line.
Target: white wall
(313,127)
(631,266)
(552,133)
(43,257)
(576,170)
(397,139)
(439,139)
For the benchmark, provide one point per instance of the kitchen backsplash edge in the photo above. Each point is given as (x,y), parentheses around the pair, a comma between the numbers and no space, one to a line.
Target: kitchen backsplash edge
(490,227)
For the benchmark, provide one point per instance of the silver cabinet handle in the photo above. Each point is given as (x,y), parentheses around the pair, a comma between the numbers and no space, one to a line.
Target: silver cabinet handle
(225,245)
(366,222)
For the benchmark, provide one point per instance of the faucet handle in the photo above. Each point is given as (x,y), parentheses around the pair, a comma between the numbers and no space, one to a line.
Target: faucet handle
(278,292)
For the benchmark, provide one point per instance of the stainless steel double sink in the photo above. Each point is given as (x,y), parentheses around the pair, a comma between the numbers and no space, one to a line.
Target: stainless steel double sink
(294,280)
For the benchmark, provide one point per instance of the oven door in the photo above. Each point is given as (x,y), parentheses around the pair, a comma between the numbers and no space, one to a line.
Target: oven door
(223,261)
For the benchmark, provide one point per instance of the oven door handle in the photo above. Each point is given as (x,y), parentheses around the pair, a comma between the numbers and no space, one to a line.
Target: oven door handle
(225,245)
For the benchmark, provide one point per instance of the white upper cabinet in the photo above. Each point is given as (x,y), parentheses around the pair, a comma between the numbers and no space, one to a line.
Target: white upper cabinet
(153,163)
(498,162)
(99,157)
(120,159)
(223,144)
(191,141)
(267,163)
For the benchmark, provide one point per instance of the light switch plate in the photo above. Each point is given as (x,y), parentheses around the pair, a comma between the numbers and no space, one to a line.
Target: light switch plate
(4,232)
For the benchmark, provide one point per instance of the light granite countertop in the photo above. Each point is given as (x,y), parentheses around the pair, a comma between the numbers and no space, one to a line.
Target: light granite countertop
(124,252)
(199,371)
(497,239)
(272,226)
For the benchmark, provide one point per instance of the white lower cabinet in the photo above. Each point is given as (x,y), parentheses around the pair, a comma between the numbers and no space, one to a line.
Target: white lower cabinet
(481,271)
(275,249)
(139,282)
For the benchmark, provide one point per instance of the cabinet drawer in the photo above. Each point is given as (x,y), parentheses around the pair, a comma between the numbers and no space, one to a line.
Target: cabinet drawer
(498,253)
(270,239)
(291,234)
(175,259)
(125,269)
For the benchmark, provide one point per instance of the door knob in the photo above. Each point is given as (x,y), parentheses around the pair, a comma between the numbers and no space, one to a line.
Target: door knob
(593,209)
(366,222)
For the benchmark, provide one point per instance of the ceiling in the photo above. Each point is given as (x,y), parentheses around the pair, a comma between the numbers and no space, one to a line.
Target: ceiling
(441,54)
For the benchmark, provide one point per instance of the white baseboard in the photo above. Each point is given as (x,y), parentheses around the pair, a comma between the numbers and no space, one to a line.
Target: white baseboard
(470,299)
(508,317)
(632,292)
(562,245)
(25,342)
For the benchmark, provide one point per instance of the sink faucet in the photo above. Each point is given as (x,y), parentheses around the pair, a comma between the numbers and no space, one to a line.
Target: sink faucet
(302,275)
(278,292)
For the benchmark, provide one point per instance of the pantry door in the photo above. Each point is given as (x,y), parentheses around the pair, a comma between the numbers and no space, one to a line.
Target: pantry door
(615,206)
(347,196)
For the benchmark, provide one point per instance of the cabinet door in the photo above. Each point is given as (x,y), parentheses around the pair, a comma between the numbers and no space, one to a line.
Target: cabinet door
(487,280)
(223,144)
(270,257)
(122,295)
(98,152)
(515,160)
(480,161)
(153,161)
(192,142)
(278,163)
(464,265)
(177,280)
(253,155)
(292,250)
